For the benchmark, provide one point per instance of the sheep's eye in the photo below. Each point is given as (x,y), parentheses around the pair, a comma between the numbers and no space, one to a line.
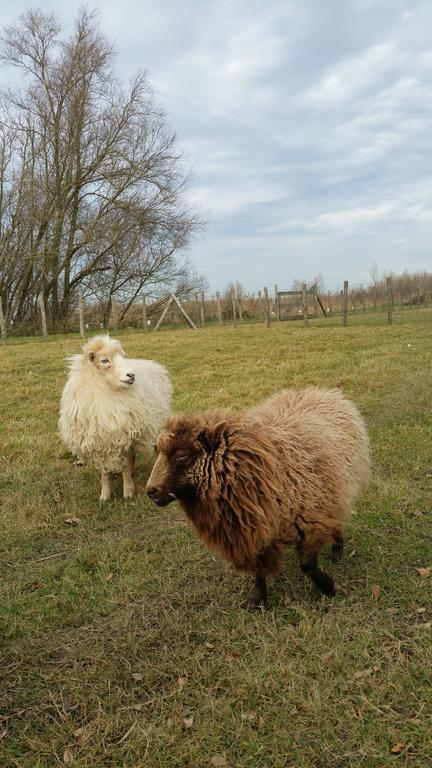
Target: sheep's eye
(180,458)
(104,360)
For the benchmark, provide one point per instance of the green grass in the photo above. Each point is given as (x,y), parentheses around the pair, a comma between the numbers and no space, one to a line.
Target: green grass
(124,642)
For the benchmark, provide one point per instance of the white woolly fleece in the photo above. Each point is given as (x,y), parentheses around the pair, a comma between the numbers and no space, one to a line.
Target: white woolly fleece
(101,424)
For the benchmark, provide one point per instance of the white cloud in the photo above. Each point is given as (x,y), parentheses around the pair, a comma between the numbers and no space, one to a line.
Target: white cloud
(354,75)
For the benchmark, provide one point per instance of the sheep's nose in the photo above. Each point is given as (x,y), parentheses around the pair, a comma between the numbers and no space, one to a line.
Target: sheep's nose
(131,376)
(152,491)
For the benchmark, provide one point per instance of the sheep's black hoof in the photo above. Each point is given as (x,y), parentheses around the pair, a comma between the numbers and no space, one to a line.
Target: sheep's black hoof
(325,584)
(256,603)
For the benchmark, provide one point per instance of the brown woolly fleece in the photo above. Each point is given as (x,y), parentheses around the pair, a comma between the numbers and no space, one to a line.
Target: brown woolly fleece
(285,472)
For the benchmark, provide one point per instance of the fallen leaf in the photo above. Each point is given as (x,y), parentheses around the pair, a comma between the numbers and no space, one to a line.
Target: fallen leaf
(137,676)
(181,682)
(376,591)
(219,761)
(138,707)
(109,577)
(210,646)
(3,734)
(418,513)
(425,625)
(249,715)
(72,520)
(35,585)
(67,757)
(420,610)
(366,672)
(188,722)
(81,735)
(424,573)
(398,748)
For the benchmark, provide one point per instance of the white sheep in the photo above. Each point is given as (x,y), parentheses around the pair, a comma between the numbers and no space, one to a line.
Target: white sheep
(110,406)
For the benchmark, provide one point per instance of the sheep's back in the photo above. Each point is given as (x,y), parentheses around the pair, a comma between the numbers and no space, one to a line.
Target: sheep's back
(322,444)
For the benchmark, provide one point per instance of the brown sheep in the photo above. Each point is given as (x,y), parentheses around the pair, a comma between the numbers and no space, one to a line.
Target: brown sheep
(285,472)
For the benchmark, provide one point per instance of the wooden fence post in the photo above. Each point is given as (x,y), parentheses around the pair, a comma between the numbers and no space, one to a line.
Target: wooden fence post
(389,286)
(304,299)
(234,308)
(188,319)
(202,309)
(267,307)
(144,312)
(276,301)
(238,305)
(345,303)
(259,306)
(43,316)
(81,315)
(219,309)
(162,317)
(2,324)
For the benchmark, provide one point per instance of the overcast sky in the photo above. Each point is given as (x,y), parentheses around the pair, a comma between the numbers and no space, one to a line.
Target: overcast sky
(307,126)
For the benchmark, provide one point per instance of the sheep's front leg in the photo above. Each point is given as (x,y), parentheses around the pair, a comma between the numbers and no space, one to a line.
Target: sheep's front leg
(337,548)
(258,599)
(127,470)
(105,487)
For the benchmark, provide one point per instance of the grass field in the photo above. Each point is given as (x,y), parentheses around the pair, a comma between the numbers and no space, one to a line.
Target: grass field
(124,643)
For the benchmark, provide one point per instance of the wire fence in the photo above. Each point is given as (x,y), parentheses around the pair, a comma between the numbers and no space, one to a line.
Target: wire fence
(233,307)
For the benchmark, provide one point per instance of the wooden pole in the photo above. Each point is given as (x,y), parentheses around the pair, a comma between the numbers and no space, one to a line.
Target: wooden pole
(259,306)
(144,313)
(81,315)
(345,303)
(159,322)
(233,308)
(276,301)
(389,286)
(267,307)
(219,309)
(43,316)
(304,299)
(2,324)
(238,305)
(183,311)
(202,309)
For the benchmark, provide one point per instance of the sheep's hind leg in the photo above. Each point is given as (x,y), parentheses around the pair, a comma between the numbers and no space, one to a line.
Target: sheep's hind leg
(127,470)
(337,548)
(309,566)
(105,487)
(258,599)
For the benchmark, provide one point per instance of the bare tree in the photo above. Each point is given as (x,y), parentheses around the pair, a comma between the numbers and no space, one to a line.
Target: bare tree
(97,198)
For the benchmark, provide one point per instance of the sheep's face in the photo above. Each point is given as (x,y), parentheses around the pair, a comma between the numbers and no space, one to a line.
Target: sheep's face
(184,451)
(108,361)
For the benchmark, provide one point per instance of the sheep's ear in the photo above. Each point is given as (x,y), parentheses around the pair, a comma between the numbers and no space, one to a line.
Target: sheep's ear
(210,437)
(91,356)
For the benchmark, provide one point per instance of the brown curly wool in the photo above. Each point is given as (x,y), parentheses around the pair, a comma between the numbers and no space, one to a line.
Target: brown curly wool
(285,472)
